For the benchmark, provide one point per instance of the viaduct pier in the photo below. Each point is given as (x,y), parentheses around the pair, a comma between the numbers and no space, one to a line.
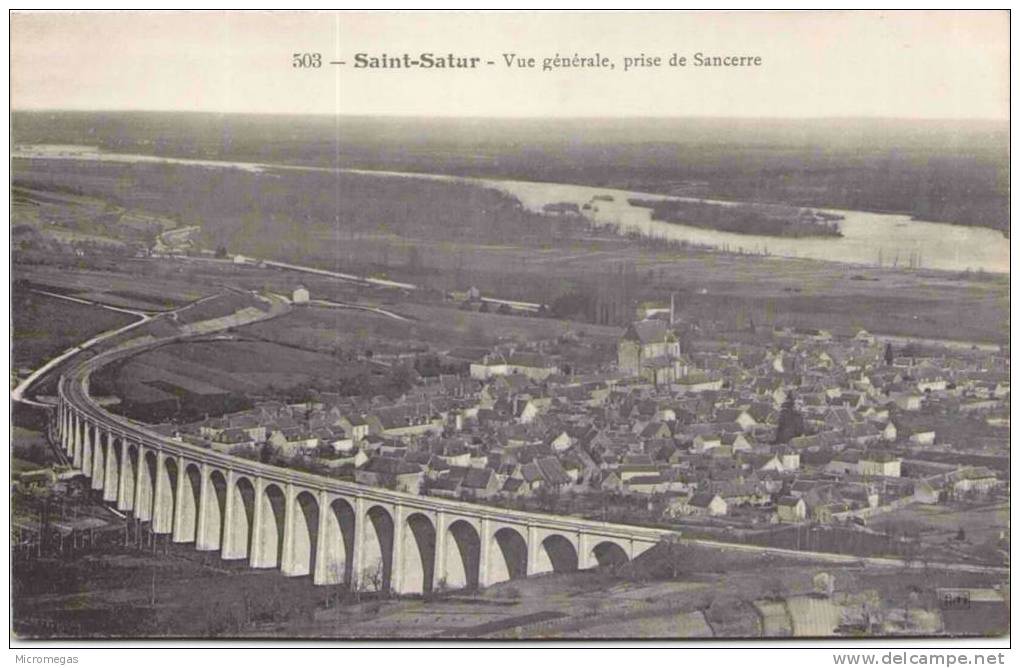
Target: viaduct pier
(303,524)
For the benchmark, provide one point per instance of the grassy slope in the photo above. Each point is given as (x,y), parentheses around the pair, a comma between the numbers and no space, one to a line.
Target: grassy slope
(45,326)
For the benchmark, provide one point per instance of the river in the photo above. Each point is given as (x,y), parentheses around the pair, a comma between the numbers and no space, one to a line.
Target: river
(868,238)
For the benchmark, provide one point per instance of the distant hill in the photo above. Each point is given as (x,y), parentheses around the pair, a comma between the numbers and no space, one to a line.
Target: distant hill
(942,171)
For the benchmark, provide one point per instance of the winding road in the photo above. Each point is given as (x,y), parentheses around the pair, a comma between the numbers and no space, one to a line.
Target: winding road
(19,393)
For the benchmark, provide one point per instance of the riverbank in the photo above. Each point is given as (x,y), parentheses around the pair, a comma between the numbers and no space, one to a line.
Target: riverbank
(750,219)
(867,238)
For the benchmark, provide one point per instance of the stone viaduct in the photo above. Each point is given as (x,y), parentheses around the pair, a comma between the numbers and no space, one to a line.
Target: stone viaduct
(309,525)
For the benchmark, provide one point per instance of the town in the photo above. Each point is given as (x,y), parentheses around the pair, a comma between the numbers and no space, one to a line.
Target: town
(725,433)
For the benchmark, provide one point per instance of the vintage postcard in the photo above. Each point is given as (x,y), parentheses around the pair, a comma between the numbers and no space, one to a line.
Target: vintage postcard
(510,326)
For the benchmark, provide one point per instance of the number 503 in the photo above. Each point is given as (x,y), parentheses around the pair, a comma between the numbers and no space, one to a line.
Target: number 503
(304,60)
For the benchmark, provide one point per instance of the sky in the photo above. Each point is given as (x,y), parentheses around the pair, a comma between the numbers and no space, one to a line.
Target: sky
(814,64)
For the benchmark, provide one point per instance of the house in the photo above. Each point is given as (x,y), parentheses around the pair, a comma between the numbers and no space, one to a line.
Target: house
(531,365)
(300,295)
(736,441)
(908,401)
(479,484)
(881,464)
(552,472)
(694,383)
(650,350)
(391,473)
(704,443)
(741,417)
(646,484)
(702,504)
(791,509)
(790,458)
(350,461)
(741,493)
(293,439)
(645,467)
(997,419)
(405,421)
(864,336)
(922,438)
(39,478)
(515,487)
(925,492)
(250,424)
(527,409)
(862,433)
(856,495)
(655,430)
(844,462)
(235,437)
(609,482)
(765,462)
(559,440)
(642,341)
(973,479)
(447,486)
(355,426)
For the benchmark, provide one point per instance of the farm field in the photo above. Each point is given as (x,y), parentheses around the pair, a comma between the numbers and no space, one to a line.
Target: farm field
(963,433)
(441,327)
(186,381)
(44,327)
(540,270)
(130,594)
(125,288)
(942,522)
(724,287)
(732,289)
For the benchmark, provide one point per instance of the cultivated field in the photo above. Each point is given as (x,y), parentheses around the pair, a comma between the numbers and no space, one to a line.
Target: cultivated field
(44,326)
(940,523)
(439,327)
(125,288)
(186,381)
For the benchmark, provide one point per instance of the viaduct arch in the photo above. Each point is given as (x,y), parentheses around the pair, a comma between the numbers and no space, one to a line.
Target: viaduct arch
(305,525)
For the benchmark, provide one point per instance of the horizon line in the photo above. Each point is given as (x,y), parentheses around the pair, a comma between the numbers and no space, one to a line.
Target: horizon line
(849,117)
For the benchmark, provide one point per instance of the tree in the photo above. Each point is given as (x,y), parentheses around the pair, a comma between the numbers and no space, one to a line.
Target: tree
(672,552)
(888,354)
(267,452)
(775,588)
(221,251)
(414,259)
(791,422)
